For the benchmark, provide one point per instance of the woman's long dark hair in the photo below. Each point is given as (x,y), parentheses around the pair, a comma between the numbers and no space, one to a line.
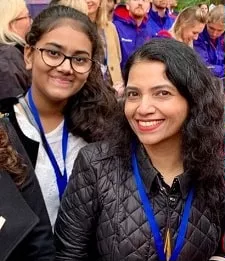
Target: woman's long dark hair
(88,111)
(10,160)
(202,132)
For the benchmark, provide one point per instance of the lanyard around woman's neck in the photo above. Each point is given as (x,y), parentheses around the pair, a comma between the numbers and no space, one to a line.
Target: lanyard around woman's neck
(61,178)
(151,217)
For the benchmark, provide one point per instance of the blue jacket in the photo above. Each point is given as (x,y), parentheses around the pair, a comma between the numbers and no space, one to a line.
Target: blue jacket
(211,53)
(131,36)
(157,23)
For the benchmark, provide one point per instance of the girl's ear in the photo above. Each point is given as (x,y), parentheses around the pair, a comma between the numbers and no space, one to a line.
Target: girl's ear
(28,56)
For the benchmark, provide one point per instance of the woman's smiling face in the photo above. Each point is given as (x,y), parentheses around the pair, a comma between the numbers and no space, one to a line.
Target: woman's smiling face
(154,108)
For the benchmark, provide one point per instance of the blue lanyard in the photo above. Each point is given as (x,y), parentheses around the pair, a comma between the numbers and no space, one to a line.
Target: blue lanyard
(151,219)
(61,179)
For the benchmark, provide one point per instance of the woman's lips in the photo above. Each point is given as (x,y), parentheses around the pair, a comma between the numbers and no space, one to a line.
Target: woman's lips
(149,125)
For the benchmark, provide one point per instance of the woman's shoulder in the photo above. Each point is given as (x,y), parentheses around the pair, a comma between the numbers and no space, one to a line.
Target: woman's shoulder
(110,27)
(103,151)
(98,151)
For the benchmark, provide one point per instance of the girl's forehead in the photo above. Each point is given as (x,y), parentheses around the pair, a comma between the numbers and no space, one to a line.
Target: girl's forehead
(62,22)
(62,30)
(66,38)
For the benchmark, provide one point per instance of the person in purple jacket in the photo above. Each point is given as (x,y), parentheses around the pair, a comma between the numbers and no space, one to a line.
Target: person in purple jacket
(131,24)
(210,44)
(159,17)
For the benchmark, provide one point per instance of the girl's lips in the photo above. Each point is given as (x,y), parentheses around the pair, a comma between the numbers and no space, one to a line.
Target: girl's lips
(61,81)
(149,125)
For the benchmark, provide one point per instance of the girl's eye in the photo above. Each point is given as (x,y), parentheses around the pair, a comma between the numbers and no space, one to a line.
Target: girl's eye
(53,53)
(80,60)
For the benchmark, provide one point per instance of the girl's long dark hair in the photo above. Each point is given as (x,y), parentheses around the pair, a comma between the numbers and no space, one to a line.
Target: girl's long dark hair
(203,129)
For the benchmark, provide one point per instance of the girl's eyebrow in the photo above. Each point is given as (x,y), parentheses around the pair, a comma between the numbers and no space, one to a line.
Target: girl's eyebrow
(58,46)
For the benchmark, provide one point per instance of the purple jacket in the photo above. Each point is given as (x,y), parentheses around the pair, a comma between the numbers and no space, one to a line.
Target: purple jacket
(211,53)
(157,23)
(131,36)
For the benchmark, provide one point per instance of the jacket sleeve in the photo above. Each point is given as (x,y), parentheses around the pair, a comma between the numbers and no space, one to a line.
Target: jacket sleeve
(38,244)
(220,253)
(75,224)
(201,49)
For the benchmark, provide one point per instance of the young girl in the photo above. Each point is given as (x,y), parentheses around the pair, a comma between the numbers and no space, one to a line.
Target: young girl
(67,103)
(155,190)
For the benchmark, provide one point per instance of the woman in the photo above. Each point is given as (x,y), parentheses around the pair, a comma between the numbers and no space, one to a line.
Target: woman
(111,54)
(210,44)
(67,104)
(187,26)
(25,231)
(15,22)
(126,197)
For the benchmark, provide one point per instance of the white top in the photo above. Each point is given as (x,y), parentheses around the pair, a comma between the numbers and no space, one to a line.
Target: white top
(44,169)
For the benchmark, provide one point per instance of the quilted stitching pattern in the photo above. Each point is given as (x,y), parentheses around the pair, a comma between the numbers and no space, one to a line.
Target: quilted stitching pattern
(102,186)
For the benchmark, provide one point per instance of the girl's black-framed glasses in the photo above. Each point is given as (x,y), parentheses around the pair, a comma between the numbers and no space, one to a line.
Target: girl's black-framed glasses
(79,63)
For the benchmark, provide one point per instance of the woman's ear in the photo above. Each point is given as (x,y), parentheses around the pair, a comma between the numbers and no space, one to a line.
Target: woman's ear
(28,56)
(12,26)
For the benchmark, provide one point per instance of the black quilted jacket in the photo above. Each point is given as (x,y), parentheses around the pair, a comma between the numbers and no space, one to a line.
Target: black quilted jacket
(102,218)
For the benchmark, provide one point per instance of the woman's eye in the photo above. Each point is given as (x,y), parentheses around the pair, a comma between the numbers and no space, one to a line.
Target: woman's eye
(132,94)
(163,93)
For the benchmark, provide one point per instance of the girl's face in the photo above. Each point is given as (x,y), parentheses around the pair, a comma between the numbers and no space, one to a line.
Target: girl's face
(154,108)
(93,6)
(21,24)
(60,82)
(190,33)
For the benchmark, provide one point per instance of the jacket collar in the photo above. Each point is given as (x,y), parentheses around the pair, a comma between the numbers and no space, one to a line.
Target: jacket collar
(151,176)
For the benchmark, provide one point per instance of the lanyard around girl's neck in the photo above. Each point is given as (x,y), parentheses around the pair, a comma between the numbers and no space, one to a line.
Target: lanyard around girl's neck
(61,178)
(151,218)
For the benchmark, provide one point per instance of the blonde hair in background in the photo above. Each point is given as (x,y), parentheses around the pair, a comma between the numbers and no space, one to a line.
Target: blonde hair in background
(79,5)
(188,17)
(217,15)
(10,10)
(102,15)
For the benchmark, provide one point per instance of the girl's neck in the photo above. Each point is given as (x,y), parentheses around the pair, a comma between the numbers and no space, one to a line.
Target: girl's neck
(50,112)
(166,158)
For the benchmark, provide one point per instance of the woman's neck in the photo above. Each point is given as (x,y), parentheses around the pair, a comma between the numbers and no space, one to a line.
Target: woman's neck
(92,17)
(50,112)
(166,158)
